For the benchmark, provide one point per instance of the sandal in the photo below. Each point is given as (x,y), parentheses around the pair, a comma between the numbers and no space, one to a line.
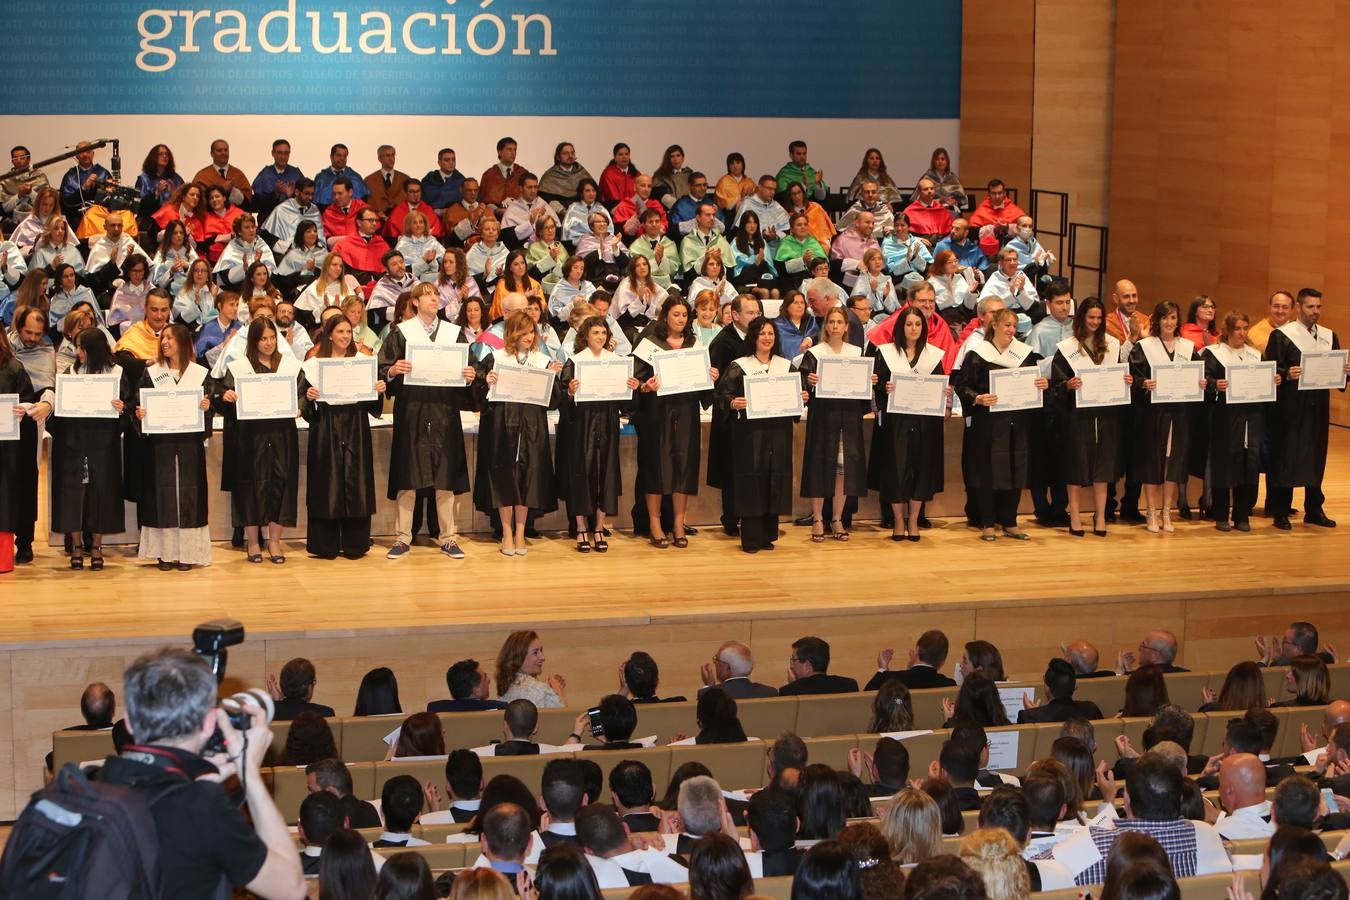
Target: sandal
(837,530)
(660,543)
(681,542)
(817,537)
(165,566)
(76,560)
(96,559)
(601,545)
(583,543)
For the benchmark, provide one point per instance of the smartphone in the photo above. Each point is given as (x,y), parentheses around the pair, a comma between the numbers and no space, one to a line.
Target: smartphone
(597,728)
(1329,798)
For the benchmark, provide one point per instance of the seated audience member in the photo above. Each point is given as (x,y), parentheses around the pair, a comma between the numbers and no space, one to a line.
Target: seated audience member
(441,186)
(1060,682)
(420,734)
(925,664)
(577,219)
(401,802)
(486,259)
(384,294)
(772,819)
(464,781)
(730,669)
(56,245)
(1158,648)
(286,217)
(338,170)
(997,209)
(616,862)
(869,201)
(1243,688)
(1013,286)
(308,740)
(469,687)
(912,825)
(18,192)
(633,795)
(959,764)
(977,703)
(141,340)
(661,253)
(959,242)
(684,210)
(878,875)
(627,215)
(386,184)
(887,766)
(809,667)
(1337,713)
(904,253)
(223,175)
(1300,639)
(639,679)
(363,252)
(703,236)
(332,776)
(339,218)
(128,300)
(1308,680)
(244,250)
(521,215)
(277,183)
(993,854)
(928,218)
(821,802)
(1031,255)
(413,203)
(773,219)
(702,811)
(1083,656)
(1152,807)
(506,839)
(1047,807)
(562,794)
(850,245)
(1298,802)
(293,691)
(717,719)
(949,807)
(1242,793)
(520,727)
(617,718)
(940,171)
(107,255)
(97,705)
(321,816)
(462,218)
(718,869)
(892,708)
(561,181)
(503,179)
(603,253)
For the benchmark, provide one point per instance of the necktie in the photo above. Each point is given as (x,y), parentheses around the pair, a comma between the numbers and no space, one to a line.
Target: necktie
(221,170)
(1313,331)
(508,172)
(388,180)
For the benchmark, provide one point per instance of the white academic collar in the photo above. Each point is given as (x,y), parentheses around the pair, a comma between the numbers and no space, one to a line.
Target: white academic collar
(1013,356)
(468,805)
(1257,810)
(568,829)
(311,850)
(395,836)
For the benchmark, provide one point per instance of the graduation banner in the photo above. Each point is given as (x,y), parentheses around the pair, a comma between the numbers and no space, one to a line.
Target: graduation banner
(742,58)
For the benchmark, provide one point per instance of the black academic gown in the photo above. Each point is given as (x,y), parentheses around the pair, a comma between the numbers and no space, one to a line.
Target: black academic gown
(829,423)
(1153,422)
(1300,417)
(18,469)
(999,442)
(86,470)
(340,466)
(264,474)
(515,467)
(586,450)
(1236,430)
(428,441)
(761,449)
(725,348)
(1093,434)
(670,434)
(173,486)
(908,455)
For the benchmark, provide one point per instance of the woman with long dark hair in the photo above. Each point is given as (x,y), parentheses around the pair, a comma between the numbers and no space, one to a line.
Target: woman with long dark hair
(718,869)
(378,694)
(670,181)
(346,867)
(1237,431)
(158,179)
(1145,691)
(18,466)
(718,722)
(752,266)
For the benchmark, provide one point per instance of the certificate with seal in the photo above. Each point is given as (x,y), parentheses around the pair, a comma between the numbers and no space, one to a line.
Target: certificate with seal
(1178,382)
(682,371)
(602,380)
(844,377)
(773,396)
(1103,386)
(9,423)
(1323,370)
(270,395)
(1015,388)
(918,395)
(437,365)
(1252,382)
(522,384)
(349,379)
(172,411)
(87,396)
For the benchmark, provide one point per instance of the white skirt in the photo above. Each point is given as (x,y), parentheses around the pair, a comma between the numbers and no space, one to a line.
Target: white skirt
(188,545)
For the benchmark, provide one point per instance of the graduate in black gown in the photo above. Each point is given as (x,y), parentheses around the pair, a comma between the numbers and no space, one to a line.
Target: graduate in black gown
(1161,448)
(834,457)
(515,467)
(908,455)
(1236,430)
(34,351)
(172,510)
(1300,418)
(727,346)
(427,453)
(999,441)
(1093,433)
(669,430)
(265,470)
(17,511)
(340,474)
(587,444)
(761,449)
(86,468)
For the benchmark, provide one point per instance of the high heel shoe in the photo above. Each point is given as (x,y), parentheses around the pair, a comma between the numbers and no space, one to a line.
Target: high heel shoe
(1076,531)
(1184,510)
(96,559)
(837,530)
(76,560)
(1099,532)
(1152,525)
(583,542)
(1167,521)
(817,522)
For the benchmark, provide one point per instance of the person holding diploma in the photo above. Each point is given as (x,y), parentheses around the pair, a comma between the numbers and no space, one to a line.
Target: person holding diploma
(340,478)
(1301,417)
(173,502)
(1092,436)
(515,470)
(86,467)
(265,469)
(427,453)
(761,448)
(999,441)
(907,450)
(834,458)
(18,467)
(587,445)
(1162,430)
(1236,430)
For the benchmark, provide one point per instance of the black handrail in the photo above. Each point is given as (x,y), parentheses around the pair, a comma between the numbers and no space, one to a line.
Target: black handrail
(1080,235)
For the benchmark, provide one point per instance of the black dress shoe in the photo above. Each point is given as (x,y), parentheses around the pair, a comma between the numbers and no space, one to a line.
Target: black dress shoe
(1320,521)
(924,523)
(1243,526)
(749,549)
(690,530)
(1223,526)
(1184,512)
(1111,517)
(1131,518)
(803,520)
(1282,523)
(237,537)
(24,554)
(728,530)
(532,533)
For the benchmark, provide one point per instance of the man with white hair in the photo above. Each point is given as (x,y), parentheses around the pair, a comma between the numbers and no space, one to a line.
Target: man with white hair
(703,810)
(1013,286)
(730,670)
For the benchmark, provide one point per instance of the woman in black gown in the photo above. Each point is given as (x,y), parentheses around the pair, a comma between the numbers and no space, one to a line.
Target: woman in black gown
(17,510)
(908,456)
(86,469)
(761,448)
(266,464)
(340,475)
(1236,430)
(587,444)
(515,469)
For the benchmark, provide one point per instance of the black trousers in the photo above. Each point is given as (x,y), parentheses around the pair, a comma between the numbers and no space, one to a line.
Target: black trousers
(424,509)
(758,532)
(1242,498)
(1279,500)
(329,538)
(1129,502)
(729,517)
(994,508)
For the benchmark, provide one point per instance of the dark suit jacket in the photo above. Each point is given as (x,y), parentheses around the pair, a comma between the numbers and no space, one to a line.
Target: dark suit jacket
(914,678)
(360,813)
(1060,710)
(655,699)
(462,815)
(967,797)
(286,710)
(742,688)
(309,864)
(516,748)
(614,745)
(1034,874)
(1100,673)
(642,822)
(552,839)
(782,862)
(819,683)
(440,706)
(636,878)
(1173,668)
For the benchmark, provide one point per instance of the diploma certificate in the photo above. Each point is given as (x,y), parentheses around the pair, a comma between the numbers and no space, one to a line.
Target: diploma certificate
(9,425)
(1103,386)
(682,371)
(1252,382)
(602,380)
(172,411)
(1178,382)
(1323,371)
(1015,388)
(918,395)
(266,396)
(844,378)
(437,365)
(773,396)
(349,379)
(87,396)
(522,384)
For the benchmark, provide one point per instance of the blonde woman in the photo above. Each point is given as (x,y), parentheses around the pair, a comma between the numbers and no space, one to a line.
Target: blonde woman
(520,663)
(913,827)
(331,288)
(419,246)
(453,283)
(55,246)
(997,858)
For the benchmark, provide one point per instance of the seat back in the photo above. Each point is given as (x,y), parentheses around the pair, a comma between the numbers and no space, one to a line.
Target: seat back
(833,751)
(819,715)
(438,856)
(768,718)
(80,746)
(735,766)
(363,737)
(927,705)
(289,791)
(465,730)
(665,720)
(1107,693)
(529,769)
(1186,689)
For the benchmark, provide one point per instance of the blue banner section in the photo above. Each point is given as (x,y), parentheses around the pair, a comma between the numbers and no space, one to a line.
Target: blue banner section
(735,58)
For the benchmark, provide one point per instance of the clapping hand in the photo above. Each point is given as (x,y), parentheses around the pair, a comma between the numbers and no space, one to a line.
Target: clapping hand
(885,656)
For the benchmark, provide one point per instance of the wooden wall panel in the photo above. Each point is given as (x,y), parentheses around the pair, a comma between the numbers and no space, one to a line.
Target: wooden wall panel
(997,62)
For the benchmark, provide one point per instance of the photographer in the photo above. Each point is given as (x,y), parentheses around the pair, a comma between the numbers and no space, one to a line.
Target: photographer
(206,846)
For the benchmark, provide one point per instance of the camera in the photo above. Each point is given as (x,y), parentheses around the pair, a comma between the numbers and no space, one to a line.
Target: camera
(239,717)
(597,727)
(210,639)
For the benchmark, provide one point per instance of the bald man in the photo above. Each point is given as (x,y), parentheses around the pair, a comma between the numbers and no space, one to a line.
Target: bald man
(730,670)
(1315,745)
(1242,792)
(1083,656)
(1125,323)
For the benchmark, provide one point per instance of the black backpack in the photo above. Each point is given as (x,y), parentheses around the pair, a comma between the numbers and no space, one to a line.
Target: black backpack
(83,839)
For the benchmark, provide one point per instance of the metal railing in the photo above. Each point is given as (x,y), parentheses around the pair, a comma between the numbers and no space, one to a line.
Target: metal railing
(1087,255)
(1050,209)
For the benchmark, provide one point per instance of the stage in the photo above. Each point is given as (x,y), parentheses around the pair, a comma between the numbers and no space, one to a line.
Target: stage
(60,629)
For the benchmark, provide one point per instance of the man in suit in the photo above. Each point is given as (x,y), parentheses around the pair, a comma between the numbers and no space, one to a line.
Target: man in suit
(632,792)
(607,844)
(1158,648)
(1083,656)
(886,768)
(520,725)
(506,840)
(320,815)
(293,692)
(1008,809)
(401,802)
(960,764)
(1300,639)
(925,664)
(464,781)
(562,792)
(772,817)
(1060,682)
(730,670)
(469,686)
(332,776)
(808,667)
(386,184)
(639,677)
(1252,734)
(617,717)
(702,810)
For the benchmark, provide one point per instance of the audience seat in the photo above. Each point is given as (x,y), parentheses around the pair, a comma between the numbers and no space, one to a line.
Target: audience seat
(80,746)
(474,729)
(665,720)
(768,718)
(438,856)
(1287,742)
(289,790)
(735,766)
(529,769)
(437,834)
(832,751)
(819,715)
(363,737)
